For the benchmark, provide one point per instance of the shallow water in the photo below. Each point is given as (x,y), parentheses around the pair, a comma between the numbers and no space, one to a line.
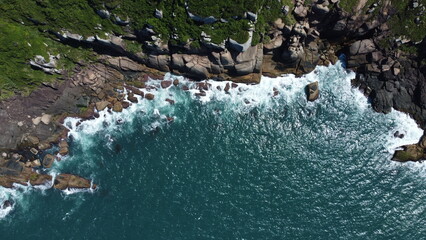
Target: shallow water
(276,168)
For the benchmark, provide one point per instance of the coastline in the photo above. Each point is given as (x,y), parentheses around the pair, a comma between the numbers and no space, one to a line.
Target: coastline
(35,122)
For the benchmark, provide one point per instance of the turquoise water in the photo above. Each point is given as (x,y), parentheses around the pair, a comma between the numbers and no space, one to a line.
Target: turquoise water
(244,165)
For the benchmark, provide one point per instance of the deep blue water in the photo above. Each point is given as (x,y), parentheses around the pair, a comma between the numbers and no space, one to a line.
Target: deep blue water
(276,168)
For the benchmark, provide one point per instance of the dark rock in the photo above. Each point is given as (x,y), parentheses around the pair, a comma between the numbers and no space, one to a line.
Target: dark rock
(176,82)
(7,204)
(200,94)
(170,101)
(125,104)
(383,101)
(166,83)
(227,87)
(149,96)
(132,98)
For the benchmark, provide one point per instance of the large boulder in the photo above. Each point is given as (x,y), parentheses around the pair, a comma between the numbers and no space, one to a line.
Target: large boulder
(362,47)
(411,152)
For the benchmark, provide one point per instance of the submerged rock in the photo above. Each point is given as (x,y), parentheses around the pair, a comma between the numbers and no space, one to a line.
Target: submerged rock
(312,91)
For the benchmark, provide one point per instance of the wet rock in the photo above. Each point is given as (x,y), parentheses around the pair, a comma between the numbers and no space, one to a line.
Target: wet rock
(175,82)
(125,104)
(131,97)
(227,87)
(166,83)
(48,160)
(7,204)
(172,102)
(101,105)
(66,181)
(411,152)
(149,96)
(397,134)
(201,94)
(312,91)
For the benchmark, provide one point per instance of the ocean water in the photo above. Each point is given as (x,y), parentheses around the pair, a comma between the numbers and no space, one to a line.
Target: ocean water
(243,165)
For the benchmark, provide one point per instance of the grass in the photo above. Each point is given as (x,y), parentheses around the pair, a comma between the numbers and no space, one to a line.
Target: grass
(403,22)
(24,27)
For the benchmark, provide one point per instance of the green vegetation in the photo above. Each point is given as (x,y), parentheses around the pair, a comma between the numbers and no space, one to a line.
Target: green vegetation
(25,27)
(350,5)
(403,23)
(33,177)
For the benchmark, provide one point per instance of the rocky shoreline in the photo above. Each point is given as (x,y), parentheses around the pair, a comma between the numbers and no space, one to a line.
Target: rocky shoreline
(391,78)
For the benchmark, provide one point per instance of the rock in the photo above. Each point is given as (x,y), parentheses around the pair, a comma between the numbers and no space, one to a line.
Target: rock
(227,87)
(274,43)
(20,123)
(158,14)
(48,160)
(285,9)
(383,101)
(103,13)
(397,134)
(422,142)
(4,155)
(300,11)
(34,151)
(131,97)
(411,152)
(125,104)
(36,121)
(279,23)
(7,204)
(166,83)
(118,107)
(101,105)
(36,163)
(63,143)
(312,91)
(16,157)
(149,96)
(65,181)
(172,102)
(396,71)
(199,72)
(63,151)
(201,94)
(46,118)
(252,16)
(362,47)
(176,82)
(30,141)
